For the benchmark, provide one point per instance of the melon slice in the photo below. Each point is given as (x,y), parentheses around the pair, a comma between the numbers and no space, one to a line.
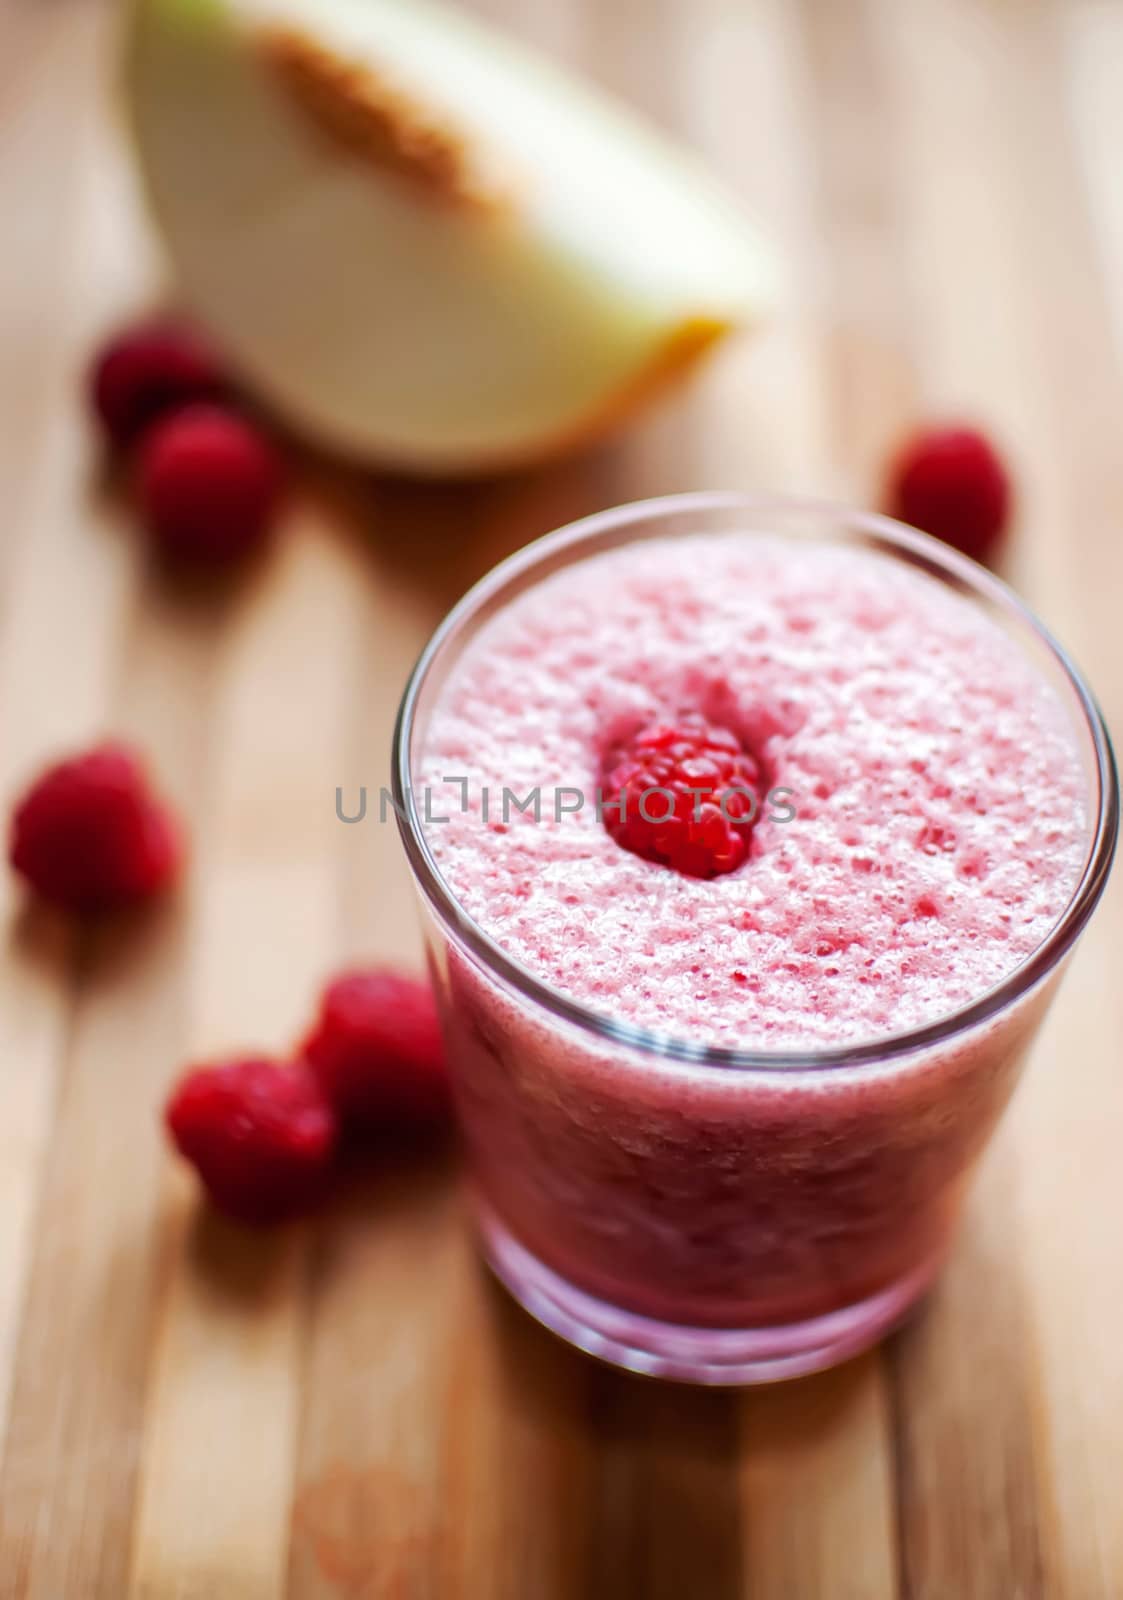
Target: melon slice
(423,244)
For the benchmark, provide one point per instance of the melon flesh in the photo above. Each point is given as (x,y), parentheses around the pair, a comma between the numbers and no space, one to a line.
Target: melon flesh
(423,244)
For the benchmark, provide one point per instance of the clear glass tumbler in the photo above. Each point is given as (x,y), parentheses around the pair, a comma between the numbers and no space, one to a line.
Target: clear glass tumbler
(718,1215)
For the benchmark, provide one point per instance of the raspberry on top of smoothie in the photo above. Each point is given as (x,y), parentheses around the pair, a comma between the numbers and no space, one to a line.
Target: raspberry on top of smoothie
(940,808)
(684,793)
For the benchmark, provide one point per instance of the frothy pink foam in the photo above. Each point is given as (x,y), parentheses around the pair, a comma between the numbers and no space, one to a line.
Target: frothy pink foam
(941,807)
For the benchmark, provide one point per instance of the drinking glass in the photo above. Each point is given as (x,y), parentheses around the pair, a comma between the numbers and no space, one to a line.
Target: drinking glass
(723,1215)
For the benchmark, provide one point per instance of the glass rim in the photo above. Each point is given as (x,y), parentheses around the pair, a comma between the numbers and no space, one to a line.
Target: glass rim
(933,554)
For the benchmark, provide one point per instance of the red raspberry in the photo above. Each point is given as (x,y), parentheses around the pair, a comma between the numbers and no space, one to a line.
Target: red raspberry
(699,834)
(209,485)
(149,370)
(378,1053)
(260,1135)
(949,482)
(90,835)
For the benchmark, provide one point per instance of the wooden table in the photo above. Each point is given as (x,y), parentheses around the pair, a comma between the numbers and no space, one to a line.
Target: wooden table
(354,1411)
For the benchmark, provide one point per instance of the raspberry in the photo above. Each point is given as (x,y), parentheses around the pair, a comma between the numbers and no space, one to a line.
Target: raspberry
(950,483)
(90,836)
(378,1053)
(260,1135)
(149,370)
(701,834)
(209,484)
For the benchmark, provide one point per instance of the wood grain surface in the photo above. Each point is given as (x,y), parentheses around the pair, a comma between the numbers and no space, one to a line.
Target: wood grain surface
(353,1411)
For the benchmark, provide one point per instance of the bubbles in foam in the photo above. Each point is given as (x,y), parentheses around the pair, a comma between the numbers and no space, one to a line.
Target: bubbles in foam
(941,806)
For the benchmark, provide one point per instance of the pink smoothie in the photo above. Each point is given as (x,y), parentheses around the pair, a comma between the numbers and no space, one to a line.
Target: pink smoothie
(940,828)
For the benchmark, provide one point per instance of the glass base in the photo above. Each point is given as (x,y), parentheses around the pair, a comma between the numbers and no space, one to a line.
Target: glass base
(711,1356)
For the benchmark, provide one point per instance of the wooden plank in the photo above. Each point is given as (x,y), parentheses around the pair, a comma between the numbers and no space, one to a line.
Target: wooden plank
(1090,34)
(817,1484)
(222,1410)
(1071,1163)
(666,1518)
(68,582)
(761,417)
